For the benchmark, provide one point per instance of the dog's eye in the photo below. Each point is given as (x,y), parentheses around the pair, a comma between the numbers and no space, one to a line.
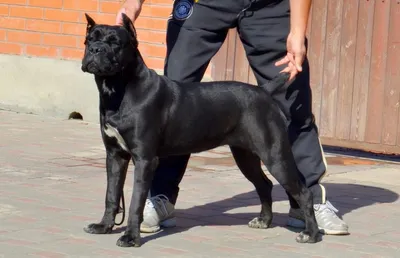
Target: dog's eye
(113,40)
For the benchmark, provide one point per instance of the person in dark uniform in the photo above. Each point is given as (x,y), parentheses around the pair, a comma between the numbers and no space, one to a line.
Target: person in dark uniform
(273,35)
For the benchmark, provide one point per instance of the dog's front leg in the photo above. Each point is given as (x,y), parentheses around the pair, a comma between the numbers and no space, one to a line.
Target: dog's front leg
(117,163)
(144,172)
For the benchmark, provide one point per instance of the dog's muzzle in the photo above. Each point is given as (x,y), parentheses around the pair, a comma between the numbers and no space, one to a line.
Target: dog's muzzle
(99,60)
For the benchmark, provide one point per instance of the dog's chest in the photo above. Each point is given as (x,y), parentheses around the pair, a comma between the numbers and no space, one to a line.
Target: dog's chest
(112,132)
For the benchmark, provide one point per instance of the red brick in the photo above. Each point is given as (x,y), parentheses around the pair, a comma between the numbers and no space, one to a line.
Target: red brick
(12,23)
(72,53)
(110,7)
(4,10)
(46,3)
(43,26)
(59,40)
(26,12)
(24,37)
(87,5)
(2,35)
(101,18)
(165,2)
(74,29)
(61,15)
(41,51)
(158,37)
(152,50)
(155,11)
(154,62)
(13,1)
(80,42)
(149,23)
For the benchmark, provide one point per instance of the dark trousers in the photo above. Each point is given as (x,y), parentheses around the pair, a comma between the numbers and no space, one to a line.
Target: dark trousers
(263,27)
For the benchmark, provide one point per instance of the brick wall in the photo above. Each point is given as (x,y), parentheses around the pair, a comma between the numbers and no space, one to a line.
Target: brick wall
(56,28)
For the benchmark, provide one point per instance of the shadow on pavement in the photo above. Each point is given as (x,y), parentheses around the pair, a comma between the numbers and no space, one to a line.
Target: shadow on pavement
(345,197)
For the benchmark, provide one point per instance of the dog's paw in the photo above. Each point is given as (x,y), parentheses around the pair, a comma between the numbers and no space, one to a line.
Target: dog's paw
(259,222)
(97,228)
(128,241)
(304,237)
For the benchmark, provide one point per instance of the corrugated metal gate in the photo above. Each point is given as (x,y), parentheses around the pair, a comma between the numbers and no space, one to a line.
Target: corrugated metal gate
(354,52)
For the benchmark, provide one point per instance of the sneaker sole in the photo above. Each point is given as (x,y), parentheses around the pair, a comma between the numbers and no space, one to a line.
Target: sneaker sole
(296,223)
(333,232)
(168,223)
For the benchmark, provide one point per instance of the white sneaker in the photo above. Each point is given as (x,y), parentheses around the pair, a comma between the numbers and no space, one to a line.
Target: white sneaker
(328,222)
(158,212)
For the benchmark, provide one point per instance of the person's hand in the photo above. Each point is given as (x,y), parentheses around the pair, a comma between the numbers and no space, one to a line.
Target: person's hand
(296,52)
(131,8)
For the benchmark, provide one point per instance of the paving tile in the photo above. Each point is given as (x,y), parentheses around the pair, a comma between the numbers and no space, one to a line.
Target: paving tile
(53,181)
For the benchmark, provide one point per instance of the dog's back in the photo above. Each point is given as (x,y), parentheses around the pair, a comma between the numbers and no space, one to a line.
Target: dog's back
(208,114)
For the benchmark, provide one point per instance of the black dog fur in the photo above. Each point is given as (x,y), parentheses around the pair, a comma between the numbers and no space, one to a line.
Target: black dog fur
(144,116)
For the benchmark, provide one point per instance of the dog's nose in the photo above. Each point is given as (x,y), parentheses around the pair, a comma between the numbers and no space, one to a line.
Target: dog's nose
(96,49)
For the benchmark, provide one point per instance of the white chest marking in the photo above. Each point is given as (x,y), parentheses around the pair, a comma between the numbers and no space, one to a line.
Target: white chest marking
(113,132)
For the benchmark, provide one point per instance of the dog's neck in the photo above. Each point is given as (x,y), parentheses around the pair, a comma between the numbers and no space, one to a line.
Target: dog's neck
(112,88)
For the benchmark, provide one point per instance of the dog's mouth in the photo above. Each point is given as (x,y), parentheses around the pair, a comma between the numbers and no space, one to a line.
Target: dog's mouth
(99,67)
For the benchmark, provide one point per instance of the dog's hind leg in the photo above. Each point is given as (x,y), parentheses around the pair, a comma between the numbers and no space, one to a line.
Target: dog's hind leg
(279,160)
(250,165)
(270,141)
(117,164)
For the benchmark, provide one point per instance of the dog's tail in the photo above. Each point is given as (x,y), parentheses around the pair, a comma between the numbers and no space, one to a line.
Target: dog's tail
(278,84)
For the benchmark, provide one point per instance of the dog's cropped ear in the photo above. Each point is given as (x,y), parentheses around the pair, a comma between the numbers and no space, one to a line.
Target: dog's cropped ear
(90,22)
(128,25)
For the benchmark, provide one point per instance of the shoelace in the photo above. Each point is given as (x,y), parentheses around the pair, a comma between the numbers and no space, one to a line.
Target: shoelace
(158,200)
(329,207)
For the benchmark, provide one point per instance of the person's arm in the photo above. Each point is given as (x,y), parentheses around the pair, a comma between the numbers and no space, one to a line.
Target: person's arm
(296,49)
(299,12)
(132,8)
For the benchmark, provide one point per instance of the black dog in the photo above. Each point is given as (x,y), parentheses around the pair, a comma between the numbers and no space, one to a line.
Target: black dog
(145,116)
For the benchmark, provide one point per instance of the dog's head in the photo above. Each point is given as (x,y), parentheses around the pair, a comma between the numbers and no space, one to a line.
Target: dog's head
(108,49)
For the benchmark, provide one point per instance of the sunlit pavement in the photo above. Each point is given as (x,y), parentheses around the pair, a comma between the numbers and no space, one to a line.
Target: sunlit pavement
(52,183)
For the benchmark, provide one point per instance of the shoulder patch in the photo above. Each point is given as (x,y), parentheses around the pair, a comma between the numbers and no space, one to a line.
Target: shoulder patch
(183,9)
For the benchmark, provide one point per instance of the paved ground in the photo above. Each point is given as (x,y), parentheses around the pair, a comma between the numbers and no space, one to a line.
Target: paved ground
(52,183)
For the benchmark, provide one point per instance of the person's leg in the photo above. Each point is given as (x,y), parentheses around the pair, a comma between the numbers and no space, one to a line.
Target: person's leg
(263,29)
(195,32)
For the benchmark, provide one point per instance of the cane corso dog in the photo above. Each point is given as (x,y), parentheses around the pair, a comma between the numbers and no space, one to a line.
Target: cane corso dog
(145,116)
